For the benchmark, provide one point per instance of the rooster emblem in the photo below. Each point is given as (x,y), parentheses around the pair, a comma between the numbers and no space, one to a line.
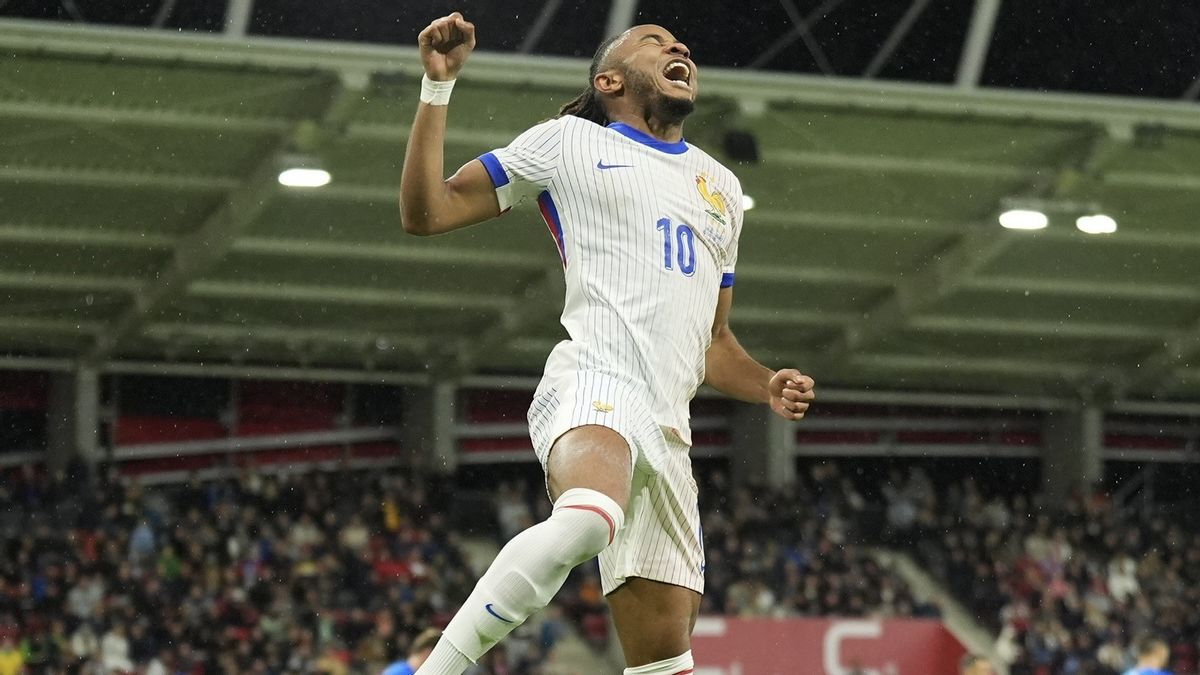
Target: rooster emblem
(718,208)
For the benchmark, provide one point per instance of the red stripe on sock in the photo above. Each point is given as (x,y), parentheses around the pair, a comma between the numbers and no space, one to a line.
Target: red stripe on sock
(689,671)
(612,527)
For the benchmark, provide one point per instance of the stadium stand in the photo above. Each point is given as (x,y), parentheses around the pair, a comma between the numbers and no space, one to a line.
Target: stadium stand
(323,572)
(335,571)
(1067,591)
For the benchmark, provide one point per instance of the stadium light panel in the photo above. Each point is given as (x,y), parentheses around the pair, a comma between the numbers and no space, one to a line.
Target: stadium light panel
(1023,219)
(1096,224)
(304,177)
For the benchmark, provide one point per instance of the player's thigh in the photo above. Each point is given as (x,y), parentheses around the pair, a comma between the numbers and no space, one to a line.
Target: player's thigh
(593,457)
(654,620)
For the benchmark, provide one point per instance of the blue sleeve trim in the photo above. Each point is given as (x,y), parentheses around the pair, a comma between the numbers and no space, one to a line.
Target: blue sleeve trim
(495,171)
(727,280)
(550,215)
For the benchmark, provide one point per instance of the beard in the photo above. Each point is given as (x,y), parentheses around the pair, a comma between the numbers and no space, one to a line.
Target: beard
(657,103)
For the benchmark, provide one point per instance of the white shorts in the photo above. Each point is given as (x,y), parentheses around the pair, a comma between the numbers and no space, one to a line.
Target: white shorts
(661,539)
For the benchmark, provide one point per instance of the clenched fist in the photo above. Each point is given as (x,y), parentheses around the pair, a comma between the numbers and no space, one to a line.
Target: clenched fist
(791,392)
(445,45)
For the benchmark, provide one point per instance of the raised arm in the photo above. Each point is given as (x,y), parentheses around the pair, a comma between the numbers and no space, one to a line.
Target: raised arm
(733,372)
(429,202)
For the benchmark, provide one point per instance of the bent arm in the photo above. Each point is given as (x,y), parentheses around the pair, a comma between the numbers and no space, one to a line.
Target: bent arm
(430,204)
(727,367)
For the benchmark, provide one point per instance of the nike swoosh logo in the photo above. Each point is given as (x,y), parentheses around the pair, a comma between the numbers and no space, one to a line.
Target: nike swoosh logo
(491,611)
(602,166)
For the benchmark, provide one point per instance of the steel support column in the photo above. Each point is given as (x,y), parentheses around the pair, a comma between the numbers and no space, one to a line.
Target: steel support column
(979,38)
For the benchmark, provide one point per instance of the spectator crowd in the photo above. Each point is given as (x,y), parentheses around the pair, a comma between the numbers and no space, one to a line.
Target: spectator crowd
(1068,591)
(315,573)
(335,572)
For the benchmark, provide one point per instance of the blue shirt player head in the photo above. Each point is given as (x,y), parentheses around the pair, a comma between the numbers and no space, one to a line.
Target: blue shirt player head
(418,652)
(1153,654)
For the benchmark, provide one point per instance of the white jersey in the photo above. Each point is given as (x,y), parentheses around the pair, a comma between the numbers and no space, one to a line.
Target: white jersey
(647,232)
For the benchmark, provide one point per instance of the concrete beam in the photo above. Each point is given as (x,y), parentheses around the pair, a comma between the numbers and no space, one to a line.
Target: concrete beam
(61,236)
(201,250)
(1086,289)
(356,59)
(90,114)
(68,283)
(367,341)
(1074,330)
(975,47)
(109,178)
(306,248)
(621,14)
(546,289)
(360,296)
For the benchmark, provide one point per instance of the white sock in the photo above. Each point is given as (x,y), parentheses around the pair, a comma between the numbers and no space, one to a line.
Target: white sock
(527,573)
(445,658)
(680,665)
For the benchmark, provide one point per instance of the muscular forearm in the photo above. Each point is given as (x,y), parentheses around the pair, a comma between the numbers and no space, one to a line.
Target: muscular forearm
(733,372)
(430,203)
(422,183)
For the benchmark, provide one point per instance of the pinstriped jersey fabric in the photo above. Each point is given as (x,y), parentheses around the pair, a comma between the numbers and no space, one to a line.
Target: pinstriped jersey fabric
(647,232)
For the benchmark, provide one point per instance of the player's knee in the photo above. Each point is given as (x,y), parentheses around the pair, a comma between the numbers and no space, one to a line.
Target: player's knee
(590,521)
(591,456)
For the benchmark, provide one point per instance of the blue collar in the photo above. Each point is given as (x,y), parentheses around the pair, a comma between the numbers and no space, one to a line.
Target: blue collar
(677,148)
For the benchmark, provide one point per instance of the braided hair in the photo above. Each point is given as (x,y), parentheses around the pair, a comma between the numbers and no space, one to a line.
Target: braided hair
(589,105)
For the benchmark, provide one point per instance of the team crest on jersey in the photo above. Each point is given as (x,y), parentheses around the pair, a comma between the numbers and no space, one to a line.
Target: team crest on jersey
(718,207)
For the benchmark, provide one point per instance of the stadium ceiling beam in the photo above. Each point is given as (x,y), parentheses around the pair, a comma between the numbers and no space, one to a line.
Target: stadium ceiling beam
(540,24)
(1018,369)
(289,336)
(803,29)
(490,138)
(975,47)
(743,315)
(357,296)
(59,236)
(463,256)
(399,253)
(897,164)
(455,135)
(1193,91)
(36,363)
(201,250)
(305,373)
(194,255)
(361,60)
(813,275)
(961,260)
(895,37)
(867,222)
(68,283)
(156,118)
(1179,352)
(546,289)
(621,14)
(1085,289)
(237,18)
(25,324)
(114,178)
(799,29)
(914,292)
(1073,330)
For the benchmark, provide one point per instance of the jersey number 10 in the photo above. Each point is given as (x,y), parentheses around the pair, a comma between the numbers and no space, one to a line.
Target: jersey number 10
(685,246)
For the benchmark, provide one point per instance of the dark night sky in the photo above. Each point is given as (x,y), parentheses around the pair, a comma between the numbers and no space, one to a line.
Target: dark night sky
(1143,48)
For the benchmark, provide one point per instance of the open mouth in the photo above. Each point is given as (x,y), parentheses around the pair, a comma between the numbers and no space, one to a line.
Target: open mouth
(678,73)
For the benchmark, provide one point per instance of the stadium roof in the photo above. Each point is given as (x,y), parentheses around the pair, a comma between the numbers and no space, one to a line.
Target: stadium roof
(141,219)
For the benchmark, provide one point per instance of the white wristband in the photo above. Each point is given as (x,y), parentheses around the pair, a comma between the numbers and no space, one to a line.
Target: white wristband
(434,92)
